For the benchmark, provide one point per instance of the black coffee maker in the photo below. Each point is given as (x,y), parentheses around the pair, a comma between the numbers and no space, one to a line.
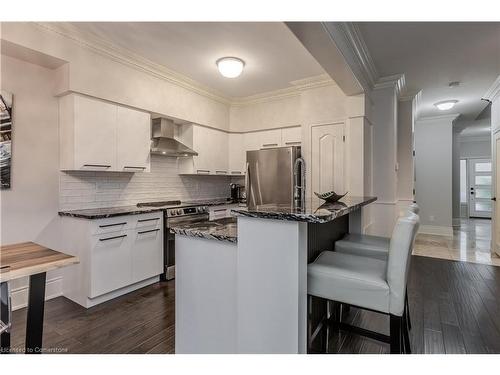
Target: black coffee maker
(235,192)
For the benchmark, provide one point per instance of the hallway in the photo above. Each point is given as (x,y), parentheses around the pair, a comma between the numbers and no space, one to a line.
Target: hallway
(470,242)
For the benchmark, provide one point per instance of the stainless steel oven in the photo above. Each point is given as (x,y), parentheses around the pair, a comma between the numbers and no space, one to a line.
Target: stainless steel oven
(178,216)
(175,213)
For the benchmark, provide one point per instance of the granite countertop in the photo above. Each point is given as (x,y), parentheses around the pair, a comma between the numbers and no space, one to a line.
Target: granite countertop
(101,213)
(220,230)
(312,213)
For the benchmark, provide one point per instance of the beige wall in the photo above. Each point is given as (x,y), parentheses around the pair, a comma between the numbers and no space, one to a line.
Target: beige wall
(32,202)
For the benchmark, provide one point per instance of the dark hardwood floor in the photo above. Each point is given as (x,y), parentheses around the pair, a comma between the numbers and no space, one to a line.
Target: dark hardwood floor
(455,308)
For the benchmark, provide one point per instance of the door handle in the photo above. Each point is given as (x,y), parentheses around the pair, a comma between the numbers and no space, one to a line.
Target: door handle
(471,193)
(494,199)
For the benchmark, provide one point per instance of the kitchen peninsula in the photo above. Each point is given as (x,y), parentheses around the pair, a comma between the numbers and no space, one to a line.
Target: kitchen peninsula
(253,294)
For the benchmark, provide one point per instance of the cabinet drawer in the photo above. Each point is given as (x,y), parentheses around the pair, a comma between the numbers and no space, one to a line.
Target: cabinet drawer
(110,263)
(147,253)
(111,224)
(148,221)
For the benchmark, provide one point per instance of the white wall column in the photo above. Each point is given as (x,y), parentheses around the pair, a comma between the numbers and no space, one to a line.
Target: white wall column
(384,117)
(433,164)
(405,144)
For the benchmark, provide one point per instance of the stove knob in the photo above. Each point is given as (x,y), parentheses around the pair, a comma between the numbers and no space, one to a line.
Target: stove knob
(172,213)
(179,212)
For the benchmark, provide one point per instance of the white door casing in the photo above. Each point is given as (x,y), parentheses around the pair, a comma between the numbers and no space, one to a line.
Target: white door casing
(327,158)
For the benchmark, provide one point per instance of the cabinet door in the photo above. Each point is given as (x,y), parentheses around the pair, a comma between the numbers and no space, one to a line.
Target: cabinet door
(252,141)
(110,263)
(94,134)
(291,136)
(201,140)
(270,138)
(327,169)
(218,151)
(147,253)
(133,140)
(237,154)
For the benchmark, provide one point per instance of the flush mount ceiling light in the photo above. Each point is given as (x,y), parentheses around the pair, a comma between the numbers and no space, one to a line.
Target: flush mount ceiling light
(446,104)
(230,67)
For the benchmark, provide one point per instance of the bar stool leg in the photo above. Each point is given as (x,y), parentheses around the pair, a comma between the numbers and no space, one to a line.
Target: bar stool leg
(406,334)
(407,309)
(395,334)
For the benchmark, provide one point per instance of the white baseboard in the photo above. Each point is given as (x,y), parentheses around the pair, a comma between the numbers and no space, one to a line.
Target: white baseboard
(436,230)
(53,289)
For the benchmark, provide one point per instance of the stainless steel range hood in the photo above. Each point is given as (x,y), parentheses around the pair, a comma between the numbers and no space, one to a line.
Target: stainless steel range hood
(164,142)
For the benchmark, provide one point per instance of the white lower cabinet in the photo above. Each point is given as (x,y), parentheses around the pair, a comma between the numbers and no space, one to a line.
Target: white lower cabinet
(117,255)
(110,263)
(147,261)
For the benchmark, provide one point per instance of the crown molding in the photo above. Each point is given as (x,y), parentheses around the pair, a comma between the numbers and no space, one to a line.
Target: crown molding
(350,42)
(130,58)
(298,86)
(140,63)
(410,96)
(494,91)
(451,116)
(397,81)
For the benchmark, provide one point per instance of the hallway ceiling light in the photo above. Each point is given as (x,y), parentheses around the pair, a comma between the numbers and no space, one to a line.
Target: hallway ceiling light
(445,105)
(230,67)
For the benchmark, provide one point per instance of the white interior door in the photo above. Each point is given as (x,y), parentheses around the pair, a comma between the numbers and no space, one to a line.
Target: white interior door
(480,182)
(327,148)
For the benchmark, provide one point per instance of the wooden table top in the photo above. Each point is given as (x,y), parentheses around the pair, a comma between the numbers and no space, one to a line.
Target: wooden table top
(28,258)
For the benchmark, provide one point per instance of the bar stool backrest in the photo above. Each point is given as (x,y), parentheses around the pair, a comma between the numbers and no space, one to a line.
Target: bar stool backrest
(401,245)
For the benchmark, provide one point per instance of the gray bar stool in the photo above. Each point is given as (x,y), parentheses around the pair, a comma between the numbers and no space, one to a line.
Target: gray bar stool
(371,246)
(366,245)
(368,283)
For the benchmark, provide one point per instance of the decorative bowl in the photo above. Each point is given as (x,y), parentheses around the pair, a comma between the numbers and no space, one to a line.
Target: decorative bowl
(330,196)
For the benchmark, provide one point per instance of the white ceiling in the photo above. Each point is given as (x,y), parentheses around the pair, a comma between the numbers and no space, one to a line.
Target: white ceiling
(273,55)
(433,54)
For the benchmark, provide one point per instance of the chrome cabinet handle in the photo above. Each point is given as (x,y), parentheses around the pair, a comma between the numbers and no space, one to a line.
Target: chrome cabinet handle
(269,145)
(220,172)
(97,165)
(112,238)
(148,231)
(112,225)
(235,172)
(143,220)
(130,167)
(293,143)
(202,171)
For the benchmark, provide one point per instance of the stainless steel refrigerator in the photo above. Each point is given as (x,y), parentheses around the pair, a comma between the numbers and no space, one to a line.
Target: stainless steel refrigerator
(273,176)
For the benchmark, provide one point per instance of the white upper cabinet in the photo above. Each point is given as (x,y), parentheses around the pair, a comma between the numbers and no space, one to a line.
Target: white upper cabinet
(100,136)
(224,153)
(237,154)
(133,141)
(212,148)
(291,136)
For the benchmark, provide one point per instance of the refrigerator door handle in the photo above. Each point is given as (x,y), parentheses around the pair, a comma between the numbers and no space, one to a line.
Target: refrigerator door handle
(247,180)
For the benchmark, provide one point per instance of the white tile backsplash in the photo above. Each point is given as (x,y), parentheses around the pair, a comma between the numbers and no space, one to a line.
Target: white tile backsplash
(79,190)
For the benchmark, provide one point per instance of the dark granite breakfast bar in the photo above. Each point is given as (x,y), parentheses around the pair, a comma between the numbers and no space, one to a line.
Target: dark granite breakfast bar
(257,267)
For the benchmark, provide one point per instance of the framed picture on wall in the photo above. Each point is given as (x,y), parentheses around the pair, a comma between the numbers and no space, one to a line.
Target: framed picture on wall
(5,139)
